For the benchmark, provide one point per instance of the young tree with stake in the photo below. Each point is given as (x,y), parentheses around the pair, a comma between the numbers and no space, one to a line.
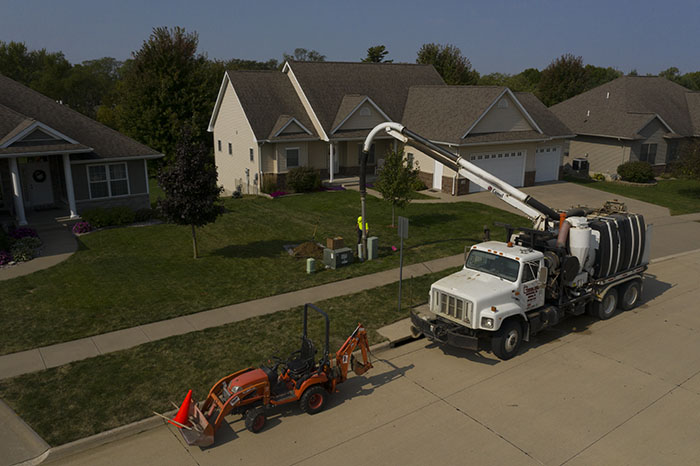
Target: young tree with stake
(396,180)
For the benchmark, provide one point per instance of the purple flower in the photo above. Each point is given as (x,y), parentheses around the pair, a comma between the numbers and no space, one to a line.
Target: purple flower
(5,257)
(278,194)
(23,232)
(82,227)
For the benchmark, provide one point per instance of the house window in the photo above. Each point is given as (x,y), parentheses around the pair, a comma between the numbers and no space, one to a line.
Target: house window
(251,154)
(292,157)
(370,157)
(409,159)
(110,180)
(648,153)
(230,149)
(219,141)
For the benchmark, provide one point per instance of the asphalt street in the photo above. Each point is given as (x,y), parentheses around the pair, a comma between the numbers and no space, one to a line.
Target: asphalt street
(621,391)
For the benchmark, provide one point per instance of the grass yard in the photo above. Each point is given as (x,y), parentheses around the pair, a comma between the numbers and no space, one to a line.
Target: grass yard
(680,196)
(90,396)
(124,277)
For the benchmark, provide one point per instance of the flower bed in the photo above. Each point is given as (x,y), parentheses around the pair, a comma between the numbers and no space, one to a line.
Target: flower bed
(20,245)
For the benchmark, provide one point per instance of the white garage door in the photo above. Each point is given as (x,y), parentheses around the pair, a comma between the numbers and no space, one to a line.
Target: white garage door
(547,161)
(508,166)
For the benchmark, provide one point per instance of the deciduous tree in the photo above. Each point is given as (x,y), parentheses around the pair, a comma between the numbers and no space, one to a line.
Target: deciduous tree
(448,60)
(396,180)
(189,184)
(564,78)
(301,54)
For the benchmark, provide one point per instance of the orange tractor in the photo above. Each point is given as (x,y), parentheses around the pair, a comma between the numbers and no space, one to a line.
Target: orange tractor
(252,391)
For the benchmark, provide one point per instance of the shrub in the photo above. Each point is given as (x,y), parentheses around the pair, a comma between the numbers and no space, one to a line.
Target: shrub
(636,172)
(114,216)
(143,215)
(81,228)
(23,232)
(5,257)
(268,183)
(418,185)
(5,240)
(25,248)
(303,179)
(598,177)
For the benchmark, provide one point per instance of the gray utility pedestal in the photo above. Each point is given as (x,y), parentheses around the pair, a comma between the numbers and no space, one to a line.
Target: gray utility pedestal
(310,265)
(335,258)
(372,248)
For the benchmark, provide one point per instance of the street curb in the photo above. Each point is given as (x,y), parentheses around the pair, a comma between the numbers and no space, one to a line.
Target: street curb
(118,433)
(673,256)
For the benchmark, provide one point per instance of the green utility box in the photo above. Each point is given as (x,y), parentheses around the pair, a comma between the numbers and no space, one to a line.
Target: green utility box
(310,265)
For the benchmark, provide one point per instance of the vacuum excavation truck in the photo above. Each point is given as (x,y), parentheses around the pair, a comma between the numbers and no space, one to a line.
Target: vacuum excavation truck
(567,263)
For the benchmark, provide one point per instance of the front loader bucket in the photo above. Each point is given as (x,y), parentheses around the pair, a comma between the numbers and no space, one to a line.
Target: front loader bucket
(202,433)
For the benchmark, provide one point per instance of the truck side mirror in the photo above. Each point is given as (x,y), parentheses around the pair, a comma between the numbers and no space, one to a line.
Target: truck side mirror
(542,277)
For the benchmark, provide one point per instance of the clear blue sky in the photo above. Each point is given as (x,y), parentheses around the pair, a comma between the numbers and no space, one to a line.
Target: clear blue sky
(496,35)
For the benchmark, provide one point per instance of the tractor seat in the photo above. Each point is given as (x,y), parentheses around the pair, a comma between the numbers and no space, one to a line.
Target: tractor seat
(305,360)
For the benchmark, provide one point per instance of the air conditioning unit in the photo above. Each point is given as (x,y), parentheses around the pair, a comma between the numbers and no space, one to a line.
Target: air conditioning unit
(580,165)
(335,258)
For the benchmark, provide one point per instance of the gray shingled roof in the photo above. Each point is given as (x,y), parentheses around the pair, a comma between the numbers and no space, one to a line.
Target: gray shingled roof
(106,142)
(445,113)
(693,99)
(347,105)
(621,107)
(265,96)
(326,84)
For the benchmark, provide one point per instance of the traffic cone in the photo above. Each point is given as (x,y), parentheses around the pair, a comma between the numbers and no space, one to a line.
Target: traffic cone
(183,413)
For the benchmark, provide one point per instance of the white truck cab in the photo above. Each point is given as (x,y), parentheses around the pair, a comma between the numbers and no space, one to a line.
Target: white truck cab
(498,281)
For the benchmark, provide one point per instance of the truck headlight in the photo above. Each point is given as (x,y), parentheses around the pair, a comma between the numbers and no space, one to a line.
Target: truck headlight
(487,322)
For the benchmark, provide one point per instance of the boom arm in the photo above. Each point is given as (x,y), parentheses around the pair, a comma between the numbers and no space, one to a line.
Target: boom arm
(344,357)
(531,207)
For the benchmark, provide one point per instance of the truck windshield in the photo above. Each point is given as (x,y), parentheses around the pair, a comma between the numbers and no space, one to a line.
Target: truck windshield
(499,266)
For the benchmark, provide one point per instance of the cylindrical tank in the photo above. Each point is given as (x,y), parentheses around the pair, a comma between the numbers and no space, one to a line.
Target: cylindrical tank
(580,241)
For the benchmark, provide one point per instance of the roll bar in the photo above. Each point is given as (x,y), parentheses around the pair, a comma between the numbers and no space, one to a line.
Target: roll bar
(535,210)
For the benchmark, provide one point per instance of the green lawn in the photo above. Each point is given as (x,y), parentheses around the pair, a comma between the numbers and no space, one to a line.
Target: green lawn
(101,393)
(680,196)
(124,277)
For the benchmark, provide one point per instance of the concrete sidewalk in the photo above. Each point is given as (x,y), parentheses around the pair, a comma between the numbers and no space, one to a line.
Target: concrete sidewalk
(46,357)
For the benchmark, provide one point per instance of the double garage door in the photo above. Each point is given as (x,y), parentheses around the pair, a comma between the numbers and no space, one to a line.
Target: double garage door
(508,166)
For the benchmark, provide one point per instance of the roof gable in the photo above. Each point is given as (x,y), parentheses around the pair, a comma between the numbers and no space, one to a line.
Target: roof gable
(503,115)
(358,112)
(288,125)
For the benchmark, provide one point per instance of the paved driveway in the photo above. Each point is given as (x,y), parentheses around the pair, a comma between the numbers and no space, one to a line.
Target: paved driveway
(622,391)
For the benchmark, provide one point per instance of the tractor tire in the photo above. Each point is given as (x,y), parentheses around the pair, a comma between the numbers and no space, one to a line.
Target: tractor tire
(314,399)
(606,308)
(630,295)
(506,342)
(255,419)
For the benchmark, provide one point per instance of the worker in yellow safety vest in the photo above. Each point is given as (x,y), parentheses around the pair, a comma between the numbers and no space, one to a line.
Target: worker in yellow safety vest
(359,229)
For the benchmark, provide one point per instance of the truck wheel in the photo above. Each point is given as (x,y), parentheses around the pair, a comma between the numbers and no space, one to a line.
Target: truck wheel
(630,294)
(605,309)
(313,400)
(255,419)
(506,342)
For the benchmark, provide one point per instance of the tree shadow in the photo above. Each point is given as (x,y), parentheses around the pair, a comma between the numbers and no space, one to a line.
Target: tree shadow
(266,248)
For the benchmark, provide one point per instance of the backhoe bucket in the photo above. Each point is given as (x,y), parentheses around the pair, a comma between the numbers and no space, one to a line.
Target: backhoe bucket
(202,433)
(357,367)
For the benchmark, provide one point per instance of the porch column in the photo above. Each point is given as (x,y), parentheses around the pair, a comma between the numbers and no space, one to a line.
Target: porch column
(332,155)
(69,186)
(17,192)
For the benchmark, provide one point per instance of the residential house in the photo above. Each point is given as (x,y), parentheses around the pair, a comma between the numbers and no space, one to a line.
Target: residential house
(511,135)
(52,157)
(318,114)
(630,118)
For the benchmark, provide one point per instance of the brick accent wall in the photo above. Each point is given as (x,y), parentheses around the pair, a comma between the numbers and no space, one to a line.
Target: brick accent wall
(529,178)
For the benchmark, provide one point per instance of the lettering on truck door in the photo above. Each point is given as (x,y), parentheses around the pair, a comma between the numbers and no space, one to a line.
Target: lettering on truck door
(532,289)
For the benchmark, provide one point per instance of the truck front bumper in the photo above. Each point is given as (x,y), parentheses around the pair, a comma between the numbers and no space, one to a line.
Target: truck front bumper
(444,331)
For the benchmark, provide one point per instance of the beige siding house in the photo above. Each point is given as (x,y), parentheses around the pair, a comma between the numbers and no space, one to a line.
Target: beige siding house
(631,118)
(54,158)
(318,115)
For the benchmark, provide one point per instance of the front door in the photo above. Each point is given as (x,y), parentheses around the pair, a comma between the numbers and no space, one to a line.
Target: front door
(36,179)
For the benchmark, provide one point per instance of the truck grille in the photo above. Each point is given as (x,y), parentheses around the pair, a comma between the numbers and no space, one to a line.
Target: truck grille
(458,308)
